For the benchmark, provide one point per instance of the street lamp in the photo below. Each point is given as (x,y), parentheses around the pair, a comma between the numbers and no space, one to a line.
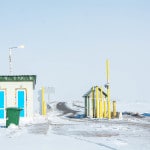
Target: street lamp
(10,57)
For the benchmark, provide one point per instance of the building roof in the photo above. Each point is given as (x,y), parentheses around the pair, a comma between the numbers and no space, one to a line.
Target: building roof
(89,92)
(18,78)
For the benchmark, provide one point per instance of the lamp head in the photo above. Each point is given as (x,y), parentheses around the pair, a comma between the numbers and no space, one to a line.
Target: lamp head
(20,46)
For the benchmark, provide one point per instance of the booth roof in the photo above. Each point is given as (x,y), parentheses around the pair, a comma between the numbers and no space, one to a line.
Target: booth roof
(18,78)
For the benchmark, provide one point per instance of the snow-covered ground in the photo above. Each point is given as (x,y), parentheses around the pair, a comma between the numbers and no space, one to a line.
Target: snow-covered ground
(62,129)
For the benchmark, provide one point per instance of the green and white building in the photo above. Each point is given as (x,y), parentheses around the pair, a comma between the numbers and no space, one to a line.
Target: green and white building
(17,91)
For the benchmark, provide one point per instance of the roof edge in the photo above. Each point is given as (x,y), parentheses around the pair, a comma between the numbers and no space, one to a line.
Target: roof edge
(18,78)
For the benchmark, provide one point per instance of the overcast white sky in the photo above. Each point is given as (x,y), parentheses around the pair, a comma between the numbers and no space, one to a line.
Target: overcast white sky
(67,43)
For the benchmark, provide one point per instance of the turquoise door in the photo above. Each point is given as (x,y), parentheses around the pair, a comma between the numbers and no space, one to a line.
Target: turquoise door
(21,98)
(2,104)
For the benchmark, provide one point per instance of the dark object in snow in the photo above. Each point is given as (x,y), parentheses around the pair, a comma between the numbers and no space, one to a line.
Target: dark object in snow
(49,107)
(65,109)
(146,114)
(78,116)
(137,115)
(2,126)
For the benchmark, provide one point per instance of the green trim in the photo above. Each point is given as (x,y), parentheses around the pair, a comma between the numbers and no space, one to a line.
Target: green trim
(19,78)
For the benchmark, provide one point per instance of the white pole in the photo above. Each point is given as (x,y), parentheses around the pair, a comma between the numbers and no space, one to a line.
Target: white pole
(10,58)
(10,61)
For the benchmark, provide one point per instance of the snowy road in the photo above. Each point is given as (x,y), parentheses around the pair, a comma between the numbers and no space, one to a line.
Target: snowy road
(60,129)
(129,133)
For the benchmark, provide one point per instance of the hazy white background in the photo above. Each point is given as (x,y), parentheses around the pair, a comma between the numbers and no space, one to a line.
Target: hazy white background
(67,43)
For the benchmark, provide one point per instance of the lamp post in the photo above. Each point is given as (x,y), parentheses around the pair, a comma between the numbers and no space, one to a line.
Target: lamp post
(10,57)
